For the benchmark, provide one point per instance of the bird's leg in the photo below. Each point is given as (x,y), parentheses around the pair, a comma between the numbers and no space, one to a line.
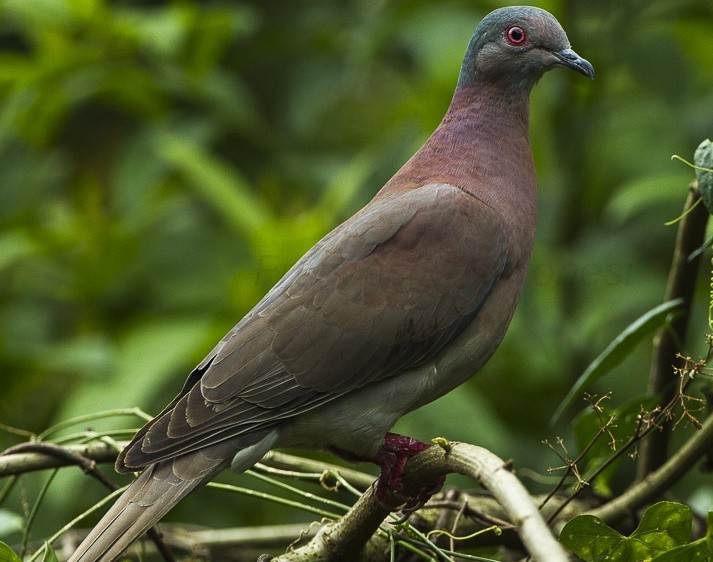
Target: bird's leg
(392,457)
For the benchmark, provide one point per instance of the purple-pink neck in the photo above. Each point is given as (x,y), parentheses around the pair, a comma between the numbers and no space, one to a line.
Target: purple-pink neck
(482,146)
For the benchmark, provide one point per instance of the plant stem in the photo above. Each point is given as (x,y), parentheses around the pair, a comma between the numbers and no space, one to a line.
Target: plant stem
(668,341)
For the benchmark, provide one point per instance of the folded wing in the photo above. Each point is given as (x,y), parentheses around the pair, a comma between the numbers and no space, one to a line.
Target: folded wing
(383,292)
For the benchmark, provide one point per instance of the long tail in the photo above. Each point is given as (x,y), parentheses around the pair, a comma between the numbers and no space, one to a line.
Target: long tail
(159,487)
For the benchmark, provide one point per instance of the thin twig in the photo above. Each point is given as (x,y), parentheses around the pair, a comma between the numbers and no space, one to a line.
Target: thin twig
(571,466)
(661,480)
(639,434)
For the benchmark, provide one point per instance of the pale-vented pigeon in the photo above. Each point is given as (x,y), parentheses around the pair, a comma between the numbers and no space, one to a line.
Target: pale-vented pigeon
(392,309)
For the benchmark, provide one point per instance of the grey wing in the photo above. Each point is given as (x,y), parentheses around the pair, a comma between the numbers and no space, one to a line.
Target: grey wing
(385,291)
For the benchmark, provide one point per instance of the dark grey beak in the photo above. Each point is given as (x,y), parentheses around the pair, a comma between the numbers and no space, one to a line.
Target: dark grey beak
(569,59)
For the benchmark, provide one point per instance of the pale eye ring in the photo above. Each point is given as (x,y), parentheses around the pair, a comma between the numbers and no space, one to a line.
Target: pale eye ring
(515,35)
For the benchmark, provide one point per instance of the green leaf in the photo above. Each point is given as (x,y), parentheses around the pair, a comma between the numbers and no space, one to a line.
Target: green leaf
(703,158)
(163,32)
(698,551)
(665,526)
(617,351)
(340,191)
(590,538)
(637,195)
(7,554)
(39,13)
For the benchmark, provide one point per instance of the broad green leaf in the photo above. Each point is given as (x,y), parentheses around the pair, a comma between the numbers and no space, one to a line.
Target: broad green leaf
(631,199)
(277,244)
(162,32)
(39,12)
(618,350)
(84,9)
(93,355)
(137,174)
(665,525)
(698,551)
(344,186)
(7,554)
(590,538)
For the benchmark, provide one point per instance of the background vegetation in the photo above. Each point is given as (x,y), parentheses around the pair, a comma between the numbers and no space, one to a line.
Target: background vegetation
(163,163)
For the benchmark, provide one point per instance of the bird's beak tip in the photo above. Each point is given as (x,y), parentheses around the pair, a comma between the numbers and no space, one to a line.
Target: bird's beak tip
(569,59)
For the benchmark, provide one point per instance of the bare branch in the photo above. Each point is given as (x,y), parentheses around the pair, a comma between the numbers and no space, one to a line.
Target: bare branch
(21,461)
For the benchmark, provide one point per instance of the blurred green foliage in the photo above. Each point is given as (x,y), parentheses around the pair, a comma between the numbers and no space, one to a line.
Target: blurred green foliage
(162,163)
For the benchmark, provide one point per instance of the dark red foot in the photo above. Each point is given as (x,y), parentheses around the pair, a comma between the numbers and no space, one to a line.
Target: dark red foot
(392,457)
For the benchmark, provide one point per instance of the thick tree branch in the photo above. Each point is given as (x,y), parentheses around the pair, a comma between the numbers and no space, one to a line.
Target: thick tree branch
(348,538)
(681,284)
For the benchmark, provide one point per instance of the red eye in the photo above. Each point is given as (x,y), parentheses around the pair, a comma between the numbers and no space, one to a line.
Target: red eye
(516,35)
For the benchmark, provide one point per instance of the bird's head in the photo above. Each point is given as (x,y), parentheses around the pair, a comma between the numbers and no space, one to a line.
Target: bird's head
(515,46)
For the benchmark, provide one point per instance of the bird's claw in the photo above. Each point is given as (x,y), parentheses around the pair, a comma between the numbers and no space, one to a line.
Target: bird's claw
(392,457)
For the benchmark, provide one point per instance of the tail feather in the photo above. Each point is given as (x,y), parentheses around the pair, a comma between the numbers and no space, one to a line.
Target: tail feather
(146,501)
(157,489)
